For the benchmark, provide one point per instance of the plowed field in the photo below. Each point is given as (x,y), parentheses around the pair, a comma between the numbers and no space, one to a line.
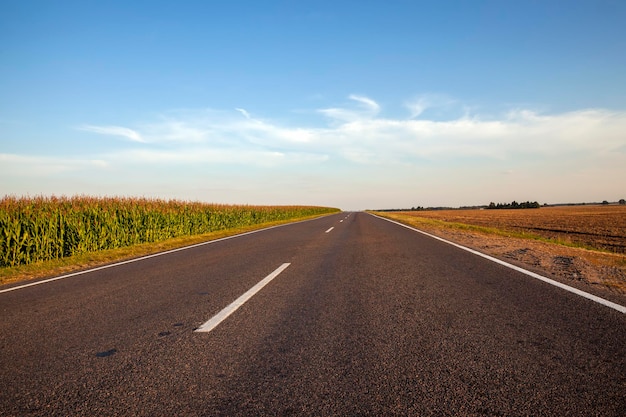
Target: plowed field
(592,226)
(509,235)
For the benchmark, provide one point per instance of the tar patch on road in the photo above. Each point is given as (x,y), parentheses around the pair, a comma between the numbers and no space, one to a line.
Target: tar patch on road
(106,353)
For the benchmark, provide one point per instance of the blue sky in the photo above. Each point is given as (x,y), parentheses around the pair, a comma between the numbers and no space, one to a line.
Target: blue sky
(351,104)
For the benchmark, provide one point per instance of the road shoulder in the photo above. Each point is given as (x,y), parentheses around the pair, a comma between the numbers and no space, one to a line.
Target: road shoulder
(598,272)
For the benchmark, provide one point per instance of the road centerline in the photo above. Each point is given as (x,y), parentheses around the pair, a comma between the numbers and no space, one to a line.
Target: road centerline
(232,307)
(328,231)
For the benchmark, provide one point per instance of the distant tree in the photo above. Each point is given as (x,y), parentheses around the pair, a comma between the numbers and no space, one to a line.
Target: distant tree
(605,203)
(514,205)
(622,201)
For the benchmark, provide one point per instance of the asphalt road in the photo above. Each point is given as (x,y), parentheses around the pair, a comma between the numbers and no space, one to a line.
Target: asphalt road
(368,318)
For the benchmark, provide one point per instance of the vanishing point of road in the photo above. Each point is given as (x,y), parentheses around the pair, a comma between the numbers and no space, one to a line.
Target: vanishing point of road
(344,315)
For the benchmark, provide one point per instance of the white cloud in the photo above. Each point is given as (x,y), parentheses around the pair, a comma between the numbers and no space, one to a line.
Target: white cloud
(368,103)
(418,105)
(12,165)
(244,112)
(369,109)
(114,131)
(359,136)
(99,163)
(370,156)
(172,130)
(215,157)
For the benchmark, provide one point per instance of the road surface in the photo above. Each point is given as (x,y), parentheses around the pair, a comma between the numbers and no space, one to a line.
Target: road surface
(357,316)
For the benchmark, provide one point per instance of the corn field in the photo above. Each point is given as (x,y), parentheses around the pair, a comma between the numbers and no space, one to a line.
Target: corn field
(44,228)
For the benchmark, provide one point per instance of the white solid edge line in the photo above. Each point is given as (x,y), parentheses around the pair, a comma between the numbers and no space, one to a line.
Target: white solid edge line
(154,255)
(232,307)
(329,229)
(576,291)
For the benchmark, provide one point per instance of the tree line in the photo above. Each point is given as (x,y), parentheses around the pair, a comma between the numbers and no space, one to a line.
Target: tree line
(513,205)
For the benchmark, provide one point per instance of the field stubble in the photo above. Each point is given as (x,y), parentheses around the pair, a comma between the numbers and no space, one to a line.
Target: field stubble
(577,243)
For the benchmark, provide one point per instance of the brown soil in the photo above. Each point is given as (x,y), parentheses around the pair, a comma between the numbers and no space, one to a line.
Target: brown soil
(596,226)
(595,267)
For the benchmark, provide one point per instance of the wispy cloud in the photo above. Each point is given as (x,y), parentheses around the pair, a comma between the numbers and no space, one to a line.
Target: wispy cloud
(244,112)
(358,135)
(368,103)
(114,131)
(41,166)
(368,109)
(466,155)
(419,104)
